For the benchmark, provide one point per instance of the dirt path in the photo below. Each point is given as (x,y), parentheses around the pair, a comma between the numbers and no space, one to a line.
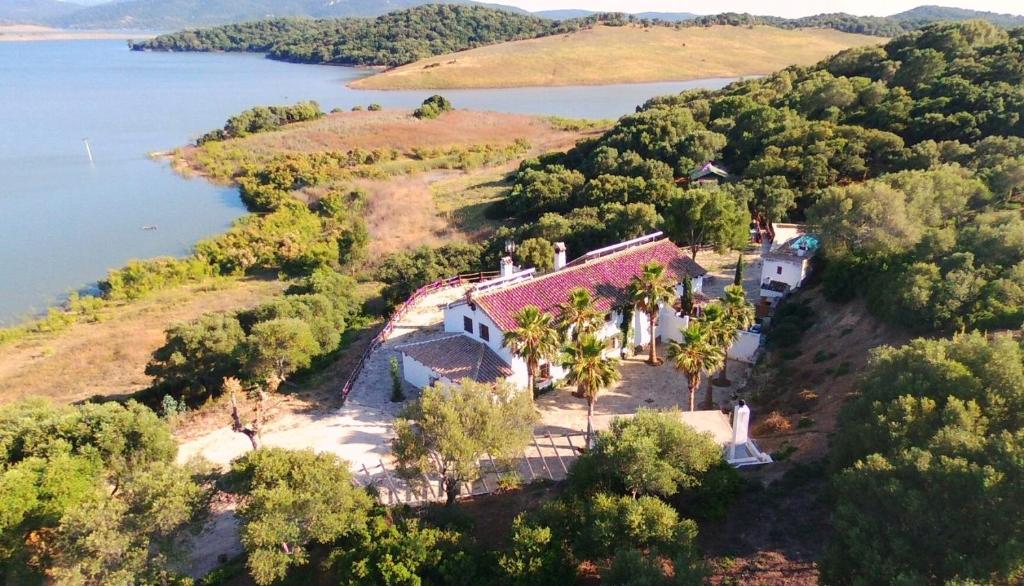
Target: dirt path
(360,431)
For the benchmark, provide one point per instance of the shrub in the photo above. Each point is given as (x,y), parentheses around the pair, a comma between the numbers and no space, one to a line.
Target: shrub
(433,107)
(397,396)
(775,422)
(374,107)
(651,453)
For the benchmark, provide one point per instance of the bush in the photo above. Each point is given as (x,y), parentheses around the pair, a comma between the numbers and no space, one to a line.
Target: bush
(375,107)
(263,119)
(397,395)
(433,107)
(652,453)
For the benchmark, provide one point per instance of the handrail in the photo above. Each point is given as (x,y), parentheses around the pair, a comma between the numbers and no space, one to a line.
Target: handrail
(399,313)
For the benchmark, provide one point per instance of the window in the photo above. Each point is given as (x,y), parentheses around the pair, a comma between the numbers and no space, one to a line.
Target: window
(467,324)
(545,370)
(485,333)
(778,270)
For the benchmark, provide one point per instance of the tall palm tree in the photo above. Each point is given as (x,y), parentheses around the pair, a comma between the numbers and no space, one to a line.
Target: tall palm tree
(720,332)
(579,314)
(648,291)
(590,372)
(740,315)
(534,339)
(695,354)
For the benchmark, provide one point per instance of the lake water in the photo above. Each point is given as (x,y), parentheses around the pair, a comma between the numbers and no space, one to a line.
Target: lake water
(65,221)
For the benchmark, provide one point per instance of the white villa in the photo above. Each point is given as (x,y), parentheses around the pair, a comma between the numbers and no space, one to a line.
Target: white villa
(787,264)
(475,326)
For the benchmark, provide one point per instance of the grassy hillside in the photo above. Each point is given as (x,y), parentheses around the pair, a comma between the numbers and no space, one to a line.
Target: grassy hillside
(621,55)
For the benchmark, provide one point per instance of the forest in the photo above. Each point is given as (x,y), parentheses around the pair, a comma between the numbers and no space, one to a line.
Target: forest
(393,39)
(908,160)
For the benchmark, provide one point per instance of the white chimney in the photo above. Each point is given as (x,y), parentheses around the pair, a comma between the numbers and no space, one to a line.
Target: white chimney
(740,425)
(507,267)
(559,255)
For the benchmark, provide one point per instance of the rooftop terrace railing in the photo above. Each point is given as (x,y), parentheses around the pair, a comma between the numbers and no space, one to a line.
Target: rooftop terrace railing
(400,312)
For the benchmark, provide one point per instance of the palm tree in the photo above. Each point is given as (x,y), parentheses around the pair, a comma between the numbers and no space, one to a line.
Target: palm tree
(534,339)
(591,372)
(739,313)
(648,291)
(720,332)
(695,354)
(579,314)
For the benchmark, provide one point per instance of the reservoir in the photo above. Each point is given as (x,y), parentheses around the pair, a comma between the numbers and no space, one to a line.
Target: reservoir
(66,220)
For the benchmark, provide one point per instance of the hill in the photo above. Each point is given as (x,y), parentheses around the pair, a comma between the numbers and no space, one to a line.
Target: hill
(917,17)
(178,14)
(34,11)
(393,39)
(623,54)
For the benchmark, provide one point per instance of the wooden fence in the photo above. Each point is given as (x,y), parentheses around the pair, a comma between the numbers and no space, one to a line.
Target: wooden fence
(549,457)
(400,313)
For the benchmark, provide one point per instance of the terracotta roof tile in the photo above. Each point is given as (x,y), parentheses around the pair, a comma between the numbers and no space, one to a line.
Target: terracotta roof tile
(607,278)
(458,357)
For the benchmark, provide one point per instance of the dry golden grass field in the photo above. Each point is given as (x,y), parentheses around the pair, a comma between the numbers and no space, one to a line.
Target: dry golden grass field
(403,210)
(628,54)
(109,357)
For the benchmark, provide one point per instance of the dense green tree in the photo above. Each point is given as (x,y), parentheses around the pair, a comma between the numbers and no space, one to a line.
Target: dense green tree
(653,453)
(929,456)
(91,494)
(397,550)
(451,427)
(289,500)
(278,347)
(537,253)
(707,216)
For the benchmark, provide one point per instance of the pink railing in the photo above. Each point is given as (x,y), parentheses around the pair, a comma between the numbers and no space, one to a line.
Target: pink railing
(399,313)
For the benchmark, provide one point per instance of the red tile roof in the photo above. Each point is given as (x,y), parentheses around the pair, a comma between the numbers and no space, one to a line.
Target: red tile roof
(458,357)
(607,278)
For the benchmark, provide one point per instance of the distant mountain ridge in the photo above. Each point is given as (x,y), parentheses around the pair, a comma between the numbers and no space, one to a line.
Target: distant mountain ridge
(34,11)
(925,14)
(181,14)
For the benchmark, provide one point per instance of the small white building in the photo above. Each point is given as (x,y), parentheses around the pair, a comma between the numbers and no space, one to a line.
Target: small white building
(787,264)
(474,344)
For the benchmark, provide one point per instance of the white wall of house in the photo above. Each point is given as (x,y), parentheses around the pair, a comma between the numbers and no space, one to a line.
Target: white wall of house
(415,373)
(671,325)
(789,271)
(698,286)
(454,322)
(745,348)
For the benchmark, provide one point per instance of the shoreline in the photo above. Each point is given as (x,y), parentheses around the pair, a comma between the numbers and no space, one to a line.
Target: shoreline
(581,84)
(28,33)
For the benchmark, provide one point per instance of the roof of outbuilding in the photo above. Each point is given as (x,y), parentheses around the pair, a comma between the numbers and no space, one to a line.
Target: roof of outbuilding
(607,278)
(458,357)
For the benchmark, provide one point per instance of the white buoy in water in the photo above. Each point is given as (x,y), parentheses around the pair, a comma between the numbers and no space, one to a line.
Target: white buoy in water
(88,149)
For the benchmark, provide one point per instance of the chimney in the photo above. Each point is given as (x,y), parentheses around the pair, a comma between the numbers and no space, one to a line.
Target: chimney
(559,255)
(740,424)
(507,267)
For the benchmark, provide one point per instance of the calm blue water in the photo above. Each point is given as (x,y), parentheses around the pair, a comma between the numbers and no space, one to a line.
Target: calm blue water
(64,222)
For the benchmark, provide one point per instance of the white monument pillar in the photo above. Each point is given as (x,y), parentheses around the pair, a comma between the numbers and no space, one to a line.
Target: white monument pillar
(740,425)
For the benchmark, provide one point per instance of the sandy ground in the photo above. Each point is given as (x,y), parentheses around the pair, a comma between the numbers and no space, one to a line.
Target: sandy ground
(29,32)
